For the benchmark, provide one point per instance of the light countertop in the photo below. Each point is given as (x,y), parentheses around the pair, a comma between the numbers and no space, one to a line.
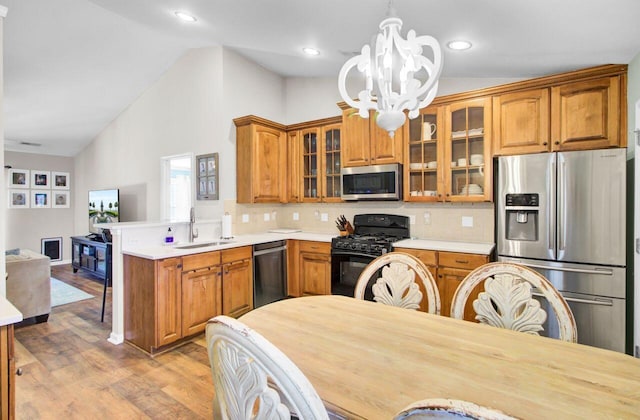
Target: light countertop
(158,252)
(8,313)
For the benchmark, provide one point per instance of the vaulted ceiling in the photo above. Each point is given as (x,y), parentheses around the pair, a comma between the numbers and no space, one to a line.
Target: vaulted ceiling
(71,66)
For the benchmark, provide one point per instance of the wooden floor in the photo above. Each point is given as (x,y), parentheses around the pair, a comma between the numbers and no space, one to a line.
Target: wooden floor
(71,371)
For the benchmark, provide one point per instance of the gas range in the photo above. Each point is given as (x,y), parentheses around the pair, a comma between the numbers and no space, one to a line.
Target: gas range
(373,235)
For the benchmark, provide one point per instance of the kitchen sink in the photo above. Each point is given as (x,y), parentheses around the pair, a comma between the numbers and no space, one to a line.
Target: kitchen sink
(202,244)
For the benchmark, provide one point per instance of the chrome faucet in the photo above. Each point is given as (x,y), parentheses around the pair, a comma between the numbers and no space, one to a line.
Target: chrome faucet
(193,233)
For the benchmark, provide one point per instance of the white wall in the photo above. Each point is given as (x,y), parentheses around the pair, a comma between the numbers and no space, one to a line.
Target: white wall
(26,227)
(189,109)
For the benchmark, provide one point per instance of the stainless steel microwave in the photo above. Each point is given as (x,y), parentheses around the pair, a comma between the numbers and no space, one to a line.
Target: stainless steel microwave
(375,182)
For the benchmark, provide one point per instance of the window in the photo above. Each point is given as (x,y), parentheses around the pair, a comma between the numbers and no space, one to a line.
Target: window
(177,187)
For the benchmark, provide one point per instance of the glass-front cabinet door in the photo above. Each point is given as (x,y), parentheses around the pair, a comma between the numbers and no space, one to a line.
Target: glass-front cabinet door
(321,163)
(332,164)
(310,164)
(424,156)
(467,160)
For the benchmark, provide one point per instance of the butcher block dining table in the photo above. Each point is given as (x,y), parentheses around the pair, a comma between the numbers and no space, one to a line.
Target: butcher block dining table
(368,360)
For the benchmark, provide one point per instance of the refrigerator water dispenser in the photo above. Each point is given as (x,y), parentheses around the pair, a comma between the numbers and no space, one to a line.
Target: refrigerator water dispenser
(522,217)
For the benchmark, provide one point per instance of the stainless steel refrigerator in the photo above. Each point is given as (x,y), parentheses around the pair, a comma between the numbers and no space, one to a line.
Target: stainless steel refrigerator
(563,214)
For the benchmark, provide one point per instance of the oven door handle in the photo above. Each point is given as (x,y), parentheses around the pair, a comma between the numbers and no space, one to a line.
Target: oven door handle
(352,254)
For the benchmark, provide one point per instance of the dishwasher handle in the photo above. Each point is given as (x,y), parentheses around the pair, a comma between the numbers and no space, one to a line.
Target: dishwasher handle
(269,250)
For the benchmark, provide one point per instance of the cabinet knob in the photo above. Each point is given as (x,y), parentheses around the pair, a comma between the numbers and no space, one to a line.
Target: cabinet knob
(557,142)
(19,372)
(544,144)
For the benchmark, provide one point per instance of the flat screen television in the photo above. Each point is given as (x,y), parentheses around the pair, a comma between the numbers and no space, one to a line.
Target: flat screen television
(104,207)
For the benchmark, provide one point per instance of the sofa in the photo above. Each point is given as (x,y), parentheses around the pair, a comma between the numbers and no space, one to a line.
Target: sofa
(29,284)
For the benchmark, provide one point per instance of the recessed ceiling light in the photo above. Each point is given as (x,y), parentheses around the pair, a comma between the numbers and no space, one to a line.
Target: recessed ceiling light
(310,51)
(459,45)
(185,16)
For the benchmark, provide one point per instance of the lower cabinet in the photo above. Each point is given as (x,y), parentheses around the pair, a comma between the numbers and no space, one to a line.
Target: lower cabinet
(237,281)
(309,268)
(448,270)
(7,373)
(171,299)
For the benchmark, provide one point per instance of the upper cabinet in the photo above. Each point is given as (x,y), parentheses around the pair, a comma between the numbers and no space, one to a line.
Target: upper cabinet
(576,111)
(261,161)
(315,162)
(449,153)
(364,143)
(521,122)
(586,115)
(424,156)
(467,151)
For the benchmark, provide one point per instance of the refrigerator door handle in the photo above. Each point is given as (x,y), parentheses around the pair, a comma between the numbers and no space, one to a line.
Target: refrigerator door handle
(551,208)
(562,215)
(603,302)
(599,271)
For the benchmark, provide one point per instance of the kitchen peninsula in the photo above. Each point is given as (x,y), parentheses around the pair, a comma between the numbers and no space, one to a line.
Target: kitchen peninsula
(144,271)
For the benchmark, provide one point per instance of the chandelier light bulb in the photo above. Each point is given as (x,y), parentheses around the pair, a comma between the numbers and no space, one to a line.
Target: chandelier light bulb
(398,77)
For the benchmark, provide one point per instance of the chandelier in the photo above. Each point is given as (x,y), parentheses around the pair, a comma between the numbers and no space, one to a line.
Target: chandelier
(397,76)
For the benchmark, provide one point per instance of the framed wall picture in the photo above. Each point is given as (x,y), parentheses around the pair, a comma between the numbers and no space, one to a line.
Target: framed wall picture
(40,179)
(60,199)
(40,199)
(207,181)
(18,178)
(60,180)
(18,199)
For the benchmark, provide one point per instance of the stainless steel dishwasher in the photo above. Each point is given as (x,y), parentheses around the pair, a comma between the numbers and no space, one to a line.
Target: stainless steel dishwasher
(269,272)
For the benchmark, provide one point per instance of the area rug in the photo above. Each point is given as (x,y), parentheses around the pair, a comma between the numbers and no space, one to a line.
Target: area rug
(63,293)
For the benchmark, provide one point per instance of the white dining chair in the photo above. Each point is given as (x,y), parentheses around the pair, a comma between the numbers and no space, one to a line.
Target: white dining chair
(441,408)
(254,380)
(507,300)
(397,285)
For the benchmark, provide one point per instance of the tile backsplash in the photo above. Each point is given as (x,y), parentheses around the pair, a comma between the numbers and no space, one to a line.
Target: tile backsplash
(471,222)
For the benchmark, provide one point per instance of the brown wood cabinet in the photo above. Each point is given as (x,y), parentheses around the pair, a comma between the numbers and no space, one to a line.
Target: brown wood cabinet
(449,153)
(580,115)
(521,122)
(424,181)
(467,152)
(453,267)
(309,268)
(364,143)
(449,269)
(7,373)
(200,295)
(237,281)
(261,161)
(314,173)
(171,299)
(587,115)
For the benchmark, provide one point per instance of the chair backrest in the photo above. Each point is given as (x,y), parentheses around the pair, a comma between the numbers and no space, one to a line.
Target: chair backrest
(255,380)
(440,408)
(507,300)
(397,286)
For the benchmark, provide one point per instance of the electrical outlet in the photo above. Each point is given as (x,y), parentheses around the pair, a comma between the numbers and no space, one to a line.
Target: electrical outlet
(412,219)
(296,215)
(267,217)
(245,218)
(273,215)
(467,221)
(427,217)
(324,217)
